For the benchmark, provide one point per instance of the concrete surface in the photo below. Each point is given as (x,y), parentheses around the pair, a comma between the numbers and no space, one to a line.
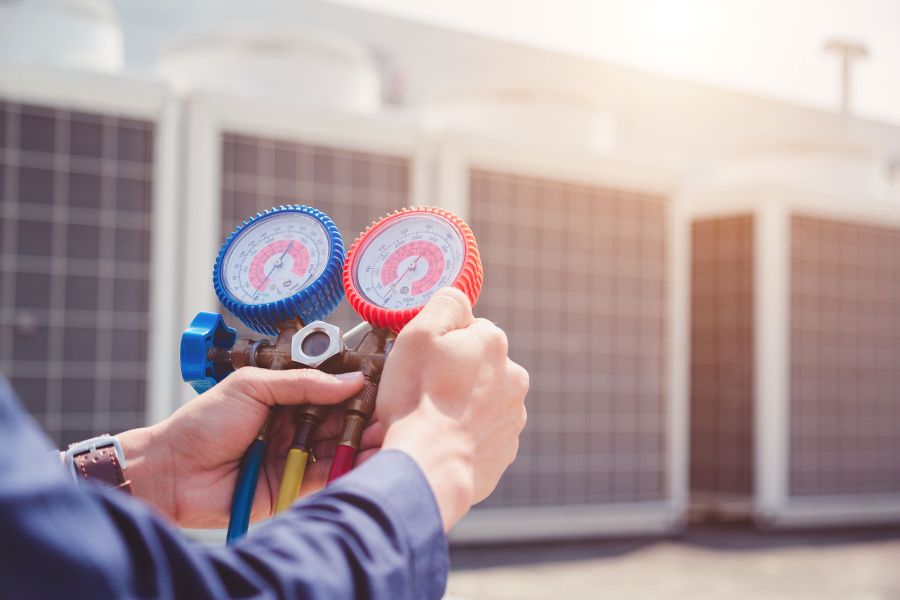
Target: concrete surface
(723,562)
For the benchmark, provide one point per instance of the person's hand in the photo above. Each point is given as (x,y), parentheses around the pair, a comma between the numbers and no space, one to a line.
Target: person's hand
(187,465)
(452,399)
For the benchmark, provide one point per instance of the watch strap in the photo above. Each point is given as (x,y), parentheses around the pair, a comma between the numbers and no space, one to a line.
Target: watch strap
(99,460)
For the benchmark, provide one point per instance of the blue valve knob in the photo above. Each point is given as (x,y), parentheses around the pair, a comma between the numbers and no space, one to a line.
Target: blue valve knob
(206,331)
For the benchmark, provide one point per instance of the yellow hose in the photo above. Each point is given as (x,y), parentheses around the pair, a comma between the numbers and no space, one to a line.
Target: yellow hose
(294,469)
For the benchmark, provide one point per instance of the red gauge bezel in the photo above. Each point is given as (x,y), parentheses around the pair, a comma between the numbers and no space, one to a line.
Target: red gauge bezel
(468,280)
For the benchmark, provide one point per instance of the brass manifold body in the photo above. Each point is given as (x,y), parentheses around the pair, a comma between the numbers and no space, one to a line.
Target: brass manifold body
(368,357)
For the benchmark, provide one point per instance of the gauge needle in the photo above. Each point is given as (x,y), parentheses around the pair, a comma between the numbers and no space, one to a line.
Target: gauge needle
(278,262)
(411,268)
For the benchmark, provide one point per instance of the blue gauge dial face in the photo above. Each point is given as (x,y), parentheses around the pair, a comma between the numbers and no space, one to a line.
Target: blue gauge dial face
(275,257)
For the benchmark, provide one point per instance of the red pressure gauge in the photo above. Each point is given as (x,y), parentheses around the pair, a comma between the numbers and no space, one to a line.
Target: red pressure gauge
(399,261)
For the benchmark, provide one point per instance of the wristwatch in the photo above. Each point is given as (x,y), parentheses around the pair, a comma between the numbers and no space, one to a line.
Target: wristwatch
(99,459)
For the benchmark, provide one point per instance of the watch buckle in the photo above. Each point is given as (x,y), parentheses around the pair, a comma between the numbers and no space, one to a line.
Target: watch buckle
(91,445)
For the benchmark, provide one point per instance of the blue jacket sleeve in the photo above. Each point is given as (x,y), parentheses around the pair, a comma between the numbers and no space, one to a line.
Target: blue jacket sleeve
(376,533)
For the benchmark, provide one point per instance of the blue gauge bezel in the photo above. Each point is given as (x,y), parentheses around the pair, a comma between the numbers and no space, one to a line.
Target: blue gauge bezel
(314,302)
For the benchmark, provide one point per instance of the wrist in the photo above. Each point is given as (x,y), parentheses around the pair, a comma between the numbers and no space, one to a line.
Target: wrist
(149,467)
(444,453)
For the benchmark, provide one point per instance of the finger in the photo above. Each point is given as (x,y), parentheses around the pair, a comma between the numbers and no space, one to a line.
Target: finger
(492,334)
(520,378)
(330,427)
(366,455)
(324,449)
(447,310)
(315,477)
(361,456)
(373,436)
(281,434)
(317,473)
(296,386)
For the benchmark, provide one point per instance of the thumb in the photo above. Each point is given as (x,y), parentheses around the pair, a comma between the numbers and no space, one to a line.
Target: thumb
(296,386)
(449,309)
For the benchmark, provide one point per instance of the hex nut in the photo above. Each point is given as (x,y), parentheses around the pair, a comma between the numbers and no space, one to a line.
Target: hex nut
(335,343)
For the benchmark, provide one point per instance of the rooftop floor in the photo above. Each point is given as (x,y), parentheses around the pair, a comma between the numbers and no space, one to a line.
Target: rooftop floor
(722,562)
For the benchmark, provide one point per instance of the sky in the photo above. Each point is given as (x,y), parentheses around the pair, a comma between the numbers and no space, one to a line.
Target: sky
(769,48)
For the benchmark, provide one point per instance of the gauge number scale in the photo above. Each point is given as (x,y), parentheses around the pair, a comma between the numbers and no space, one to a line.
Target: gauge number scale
(275,258)
(403,263)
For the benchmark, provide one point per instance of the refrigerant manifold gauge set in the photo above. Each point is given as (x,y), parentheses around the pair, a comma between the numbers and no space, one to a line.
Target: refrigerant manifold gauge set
(282,273)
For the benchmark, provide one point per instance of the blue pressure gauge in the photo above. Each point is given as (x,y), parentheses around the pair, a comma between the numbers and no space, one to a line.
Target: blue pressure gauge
(285,263)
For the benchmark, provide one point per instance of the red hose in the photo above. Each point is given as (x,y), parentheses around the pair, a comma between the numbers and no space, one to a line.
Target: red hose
(344,457)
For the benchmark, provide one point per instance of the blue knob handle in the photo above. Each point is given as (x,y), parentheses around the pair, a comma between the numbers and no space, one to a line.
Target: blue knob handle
(206,331)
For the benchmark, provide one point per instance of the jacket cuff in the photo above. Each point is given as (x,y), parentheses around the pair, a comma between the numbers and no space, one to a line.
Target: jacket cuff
(397,481)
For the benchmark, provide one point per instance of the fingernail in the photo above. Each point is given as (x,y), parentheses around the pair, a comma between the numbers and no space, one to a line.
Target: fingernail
(352,376)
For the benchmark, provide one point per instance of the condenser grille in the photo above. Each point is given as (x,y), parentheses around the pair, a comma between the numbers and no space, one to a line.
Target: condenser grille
(353,188)
(845,358)
(721,432)
(75,214)
(576,275)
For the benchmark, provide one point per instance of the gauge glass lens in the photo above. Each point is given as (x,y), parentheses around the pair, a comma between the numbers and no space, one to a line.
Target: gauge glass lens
(403,263)
(275,257)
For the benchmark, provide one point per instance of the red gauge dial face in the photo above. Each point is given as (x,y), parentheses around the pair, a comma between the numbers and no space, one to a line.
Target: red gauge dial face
(402,263)
(275,258)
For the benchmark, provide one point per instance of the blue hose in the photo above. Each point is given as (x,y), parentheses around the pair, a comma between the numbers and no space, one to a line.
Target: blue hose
(244,490)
